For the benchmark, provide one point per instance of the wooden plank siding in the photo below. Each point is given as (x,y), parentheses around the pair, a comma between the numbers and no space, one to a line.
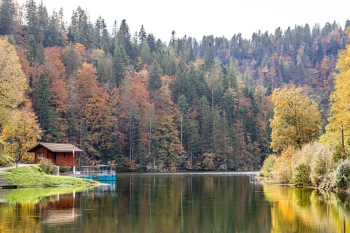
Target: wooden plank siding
(65,159)
(59,154)
(58,158)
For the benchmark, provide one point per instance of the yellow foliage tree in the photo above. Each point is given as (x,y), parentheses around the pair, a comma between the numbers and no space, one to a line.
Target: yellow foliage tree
(20,133)
(12,79)
(297,119)
(340,102)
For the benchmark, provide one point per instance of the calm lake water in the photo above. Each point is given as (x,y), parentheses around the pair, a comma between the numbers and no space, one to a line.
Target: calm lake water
(204,202)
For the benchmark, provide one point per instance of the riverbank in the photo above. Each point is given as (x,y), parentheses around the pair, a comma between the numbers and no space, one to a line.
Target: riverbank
(315,166)
(328,189)
(32,176)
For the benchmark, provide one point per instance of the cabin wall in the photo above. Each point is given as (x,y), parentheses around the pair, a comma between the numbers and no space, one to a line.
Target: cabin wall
(58,158)
(46,154)
(65,159)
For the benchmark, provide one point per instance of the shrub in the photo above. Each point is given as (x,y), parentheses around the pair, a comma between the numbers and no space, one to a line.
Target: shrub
(321,163)
(342,174)
(311,164)
(301,174)
(338,152)
(268,165)
(55,170)
(198,166)
(208,164)
(46,166)
(132,165)
(172,167)
(208,161)
(300,161)
(282,170)
(6,161)
(326,182)
(65,169)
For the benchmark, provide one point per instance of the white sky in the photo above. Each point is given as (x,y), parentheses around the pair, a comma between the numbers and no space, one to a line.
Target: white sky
(197,18)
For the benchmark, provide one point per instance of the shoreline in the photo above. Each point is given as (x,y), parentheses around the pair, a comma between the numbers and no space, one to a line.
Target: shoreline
(267,181)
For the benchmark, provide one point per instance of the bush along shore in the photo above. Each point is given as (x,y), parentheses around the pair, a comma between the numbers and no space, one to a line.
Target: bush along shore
(315,166)
(34,176)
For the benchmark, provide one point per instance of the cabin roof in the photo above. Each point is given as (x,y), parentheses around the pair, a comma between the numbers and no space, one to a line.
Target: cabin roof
(56,147)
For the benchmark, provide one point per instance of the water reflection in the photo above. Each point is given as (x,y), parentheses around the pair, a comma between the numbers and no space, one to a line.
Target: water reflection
(305,210)
(177,203)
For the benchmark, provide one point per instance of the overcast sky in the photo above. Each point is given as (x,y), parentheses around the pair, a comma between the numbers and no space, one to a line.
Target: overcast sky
(197,18)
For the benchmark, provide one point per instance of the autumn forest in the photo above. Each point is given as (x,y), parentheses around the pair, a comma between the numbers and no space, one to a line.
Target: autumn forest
(131,99)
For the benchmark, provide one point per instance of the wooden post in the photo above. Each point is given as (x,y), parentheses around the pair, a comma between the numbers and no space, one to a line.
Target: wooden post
(73,154)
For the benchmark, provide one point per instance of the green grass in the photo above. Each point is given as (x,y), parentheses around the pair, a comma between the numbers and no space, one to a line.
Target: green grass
(31,176)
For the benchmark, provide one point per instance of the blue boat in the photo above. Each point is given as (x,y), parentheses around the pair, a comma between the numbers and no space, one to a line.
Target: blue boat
(88,177)
(106,177)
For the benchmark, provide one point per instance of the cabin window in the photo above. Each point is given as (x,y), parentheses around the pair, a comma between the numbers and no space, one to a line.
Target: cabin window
(40,155)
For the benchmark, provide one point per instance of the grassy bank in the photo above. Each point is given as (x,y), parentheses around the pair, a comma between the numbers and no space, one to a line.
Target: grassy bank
(32,176)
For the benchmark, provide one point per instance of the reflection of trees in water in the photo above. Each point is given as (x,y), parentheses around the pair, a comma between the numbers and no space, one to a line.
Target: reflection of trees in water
(306,210)
(180,203)
(13,218)
(28,209)
(29,217)
(157,203)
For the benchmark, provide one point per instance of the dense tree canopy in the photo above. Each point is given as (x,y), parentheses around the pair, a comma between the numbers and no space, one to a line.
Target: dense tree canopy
(145,104)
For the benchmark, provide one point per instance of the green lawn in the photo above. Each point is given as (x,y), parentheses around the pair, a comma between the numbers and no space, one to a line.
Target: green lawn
(32,176)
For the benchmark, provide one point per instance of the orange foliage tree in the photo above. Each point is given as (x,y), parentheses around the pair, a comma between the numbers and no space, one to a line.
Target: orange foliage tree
(135,118)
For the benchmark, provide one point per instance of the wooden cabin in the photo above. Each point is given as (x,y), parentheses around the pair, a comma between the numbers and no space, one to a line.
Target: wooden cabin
(61,154)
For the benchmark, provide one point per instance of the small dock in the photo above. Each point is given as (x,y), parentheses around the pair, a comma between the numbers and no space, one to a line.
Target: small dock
(98,172)
(5,184)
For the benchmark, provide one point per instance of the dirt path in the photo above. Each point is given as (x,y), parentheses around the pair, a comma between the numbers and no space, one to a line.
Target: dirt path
(3,169)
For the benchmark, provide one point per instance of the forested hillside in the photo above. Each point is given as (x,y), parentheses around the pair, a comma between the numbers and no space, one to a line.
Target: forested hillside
(140,102)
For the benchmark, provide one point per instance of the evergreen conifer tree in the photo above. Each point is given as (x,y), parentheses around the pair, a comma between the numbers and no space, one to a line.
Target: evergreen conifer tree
(47,116)
(7,16)
(120,63)
(209,59)
(155,73)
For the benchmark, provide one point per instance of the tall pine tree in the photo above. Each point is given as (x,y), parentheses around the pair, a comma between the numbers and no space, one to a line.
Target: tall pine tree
(47,116)
(7,17)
